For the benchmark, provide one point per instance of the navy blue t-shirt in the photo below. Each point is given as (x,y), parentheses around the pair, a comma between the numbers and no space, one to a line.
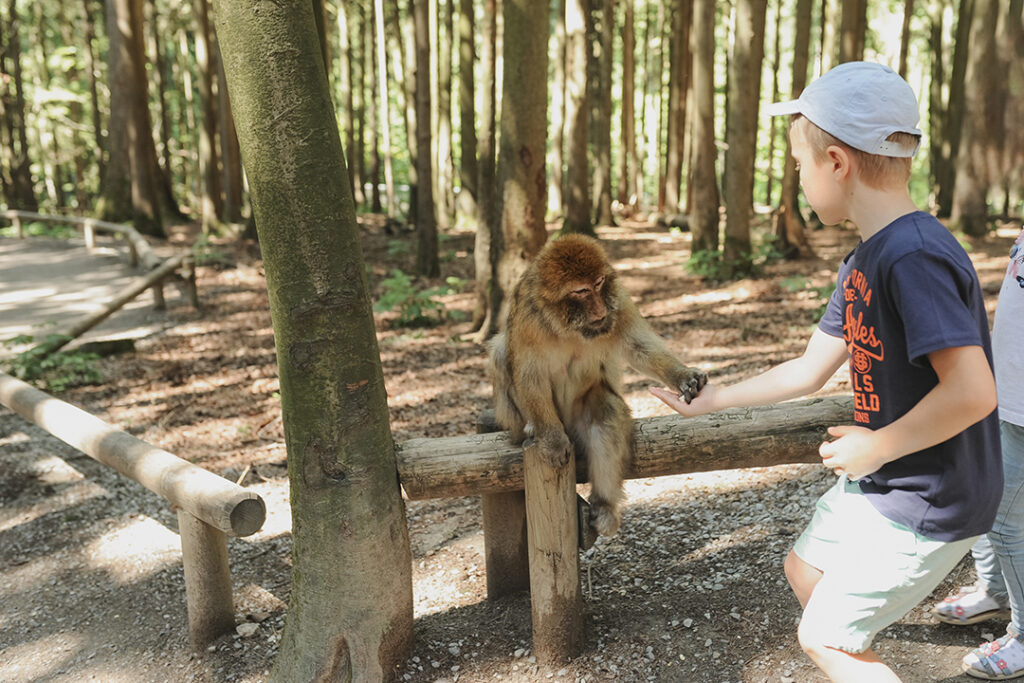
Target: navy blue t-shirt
(908,290)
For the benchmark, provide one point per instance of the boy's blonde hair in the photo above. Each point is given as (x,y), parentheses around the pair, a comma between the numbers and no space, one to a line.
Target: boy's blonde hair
(877,171)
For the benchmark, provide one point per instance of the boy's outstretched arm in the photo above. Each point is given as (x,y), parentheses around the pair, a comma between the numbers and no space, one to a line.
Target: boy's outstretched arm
(797,377)
(965,394)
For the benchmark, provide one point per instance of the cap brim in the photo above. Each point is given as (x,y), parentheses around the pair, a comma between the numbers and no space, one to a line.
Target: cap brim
(780,108)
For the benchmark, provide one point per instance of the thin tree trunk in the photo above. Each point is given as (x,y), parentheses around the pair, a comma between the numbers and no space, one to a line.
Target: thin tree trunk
(678,89)
(372,105)
(577,204)
(602,100)
(627,151)
(445,196)
(385,123)
(351,611)
(741,133)
(829,20)
(468,173)
(230,154)
(15,169)
(908,12)
(703,174)
(769,180)
(521,172)
(357,63)
(209,162)
(978,157)
(852,29)
(557,113)
(345,87)
(409,87)
(790,230)
(955,107)
(94,99)
(487,248)
(427,261)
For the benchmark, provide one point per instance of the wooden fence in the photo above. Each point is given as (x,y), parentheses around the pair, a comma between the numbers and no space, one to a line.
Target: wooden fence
(209,507)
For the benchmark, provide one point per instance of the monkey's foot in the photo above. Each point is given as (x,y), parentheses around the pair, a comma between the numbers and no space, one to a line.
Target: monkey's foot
(604,518)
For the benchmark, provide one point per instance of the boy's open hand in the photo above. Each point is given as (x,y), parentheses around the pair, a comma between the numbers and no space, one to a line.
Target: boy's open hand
(701,404)
(854,452)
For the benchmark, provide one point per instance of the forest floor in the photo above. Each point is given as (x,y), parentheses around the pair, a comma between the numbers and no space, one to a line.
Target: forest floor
(691,588)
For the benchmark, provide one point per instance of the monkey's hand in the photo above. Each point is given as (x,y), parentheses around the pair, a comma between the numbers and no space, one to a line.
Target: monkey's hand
(554,446)
(687,381)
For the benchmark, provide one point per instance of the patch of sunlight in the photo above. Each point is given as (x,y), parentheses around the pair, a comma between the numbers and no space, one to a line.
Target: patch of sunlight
(41,659)
(717,296)
(54,470)
(139,548)
(20,295)
(70,496)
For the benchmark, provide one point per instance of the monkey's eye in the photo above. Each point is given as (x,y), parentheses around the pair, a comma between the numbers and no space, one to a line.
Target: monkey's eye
(580,292)
(600,283)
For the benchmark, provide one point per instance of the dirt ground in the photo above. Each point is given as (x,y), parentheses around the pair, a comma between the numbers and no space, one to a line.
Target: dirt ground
(691,588)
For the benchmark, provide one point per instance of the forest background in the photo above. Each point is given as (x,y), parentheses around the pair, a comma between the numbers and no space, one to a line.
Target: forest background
(573,116)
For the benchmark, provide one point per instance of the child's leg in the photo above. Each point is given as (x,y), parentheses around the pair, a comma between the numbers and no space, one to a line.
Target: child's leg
(854,599)
(802,577)
(1007,535)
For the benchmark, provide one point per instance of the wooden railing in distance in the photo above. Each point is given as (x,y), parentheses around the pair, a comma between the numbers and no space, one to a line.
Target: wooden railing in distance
(209,507)
(140,253)
(530,541)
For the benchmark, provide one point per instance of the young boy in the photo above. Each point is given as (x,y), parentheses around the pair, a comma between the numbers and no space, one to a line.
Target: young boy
(920,472)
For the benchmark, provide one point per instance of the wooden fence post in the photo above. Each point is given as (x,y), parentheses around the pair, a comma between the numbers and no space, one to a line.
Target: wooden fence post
(504,523)
(204,552)
(552,531)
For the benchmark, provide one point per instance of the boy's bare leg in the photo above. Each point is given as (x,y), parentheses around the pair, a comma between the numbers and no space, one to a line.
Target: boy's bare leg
(802,577)
(837,664)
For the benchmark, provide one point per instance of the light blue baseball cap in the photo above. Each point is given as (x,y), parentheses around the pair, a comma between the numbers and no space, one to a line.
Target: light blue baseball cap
(860,103)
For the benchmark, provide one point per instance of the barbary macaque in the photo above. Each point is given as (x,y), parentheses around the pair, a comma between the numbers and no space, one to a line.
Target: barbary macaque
(557,366)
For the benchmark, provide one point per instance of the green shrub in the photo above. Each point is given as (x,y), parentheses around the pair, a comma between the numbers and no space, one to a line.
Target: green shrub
(417,307)
(56,371)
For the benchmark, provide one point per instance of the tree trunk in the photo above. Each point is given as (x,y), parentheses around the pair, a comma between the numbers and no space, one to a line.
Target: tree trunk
(382,95)
(828,21)
(372,105)
(577,203)
(936,83)
(602,112)
(209,163)
(977,161)
(954,110)
(351,613)
(627,150)
(741,134)
(678,88)
(445,196)
(790,230)
(487,249)
(357,64)
(346,116)
(427,261)
(557,113)
(468,173)
(703,174)
(908,12)
(521,176)
(94,98)
(129,188)
(15,166)
(230,155)
(852,28)
(408,41)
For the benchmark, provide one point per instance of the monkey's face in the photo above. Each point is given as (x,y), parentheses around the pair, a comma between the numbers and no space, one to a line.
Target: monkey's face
(590,307)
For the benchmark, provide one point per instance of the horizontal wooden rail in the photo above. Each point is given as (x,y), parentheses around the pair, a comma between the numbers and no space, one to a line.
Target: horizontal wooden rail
(141,250)
(213,499)
(747,437)
(208,506)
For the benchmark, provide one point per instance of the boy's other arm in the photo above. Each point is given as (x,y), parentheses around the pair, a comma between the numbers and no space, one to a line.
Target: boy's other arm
(965,394)
(797,377)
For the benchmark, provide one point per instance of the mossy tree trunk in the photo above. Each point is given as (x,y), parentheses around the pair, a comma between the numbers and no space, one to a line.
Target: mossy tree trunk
(350,615)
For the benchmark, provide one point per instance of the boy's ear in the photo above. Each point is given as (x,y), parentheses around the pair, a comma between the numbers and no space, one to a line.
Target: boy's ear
(840,160)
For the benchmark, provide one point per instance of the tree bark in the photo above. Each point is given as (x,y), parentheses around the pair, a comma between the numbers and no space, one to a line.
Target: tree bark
(627,151)
(604,12)
(741,134)
(487,249)
(954,110)
(427,261)
(557,113)
(129,188)
(209,162)
(383,96)
(790,229)
(703,174)
(15,165)
(678,89)
(468,173)
(908,12)
(577,119)
(852,29)
(350,615)
(522,180)
(977,160)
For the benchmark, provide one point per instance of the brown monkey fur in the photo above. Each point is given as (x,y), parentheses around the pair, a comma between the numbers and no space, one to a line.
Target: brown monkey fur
(557,366)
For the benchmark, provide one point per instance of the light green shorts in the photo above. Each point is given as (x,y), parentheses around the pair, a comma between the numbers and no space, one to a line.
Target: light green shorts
(874,570)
